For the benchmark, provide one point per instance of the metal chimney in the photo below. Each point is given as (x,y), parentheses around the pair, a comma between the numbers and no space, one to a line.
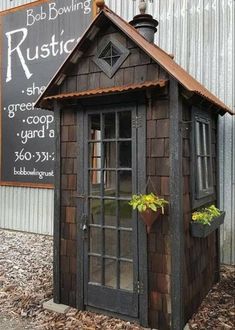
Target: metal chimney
(144,23)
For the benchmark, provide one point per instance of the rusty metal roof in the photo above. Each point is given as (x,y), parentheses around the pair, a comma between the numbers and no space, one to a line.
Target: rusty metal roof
(165,61)
(108,90)
(156,53)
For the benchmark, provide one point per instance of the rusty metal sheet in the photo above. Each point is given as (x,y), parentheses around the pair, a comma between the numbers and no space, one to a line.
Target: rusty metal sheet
(109,90)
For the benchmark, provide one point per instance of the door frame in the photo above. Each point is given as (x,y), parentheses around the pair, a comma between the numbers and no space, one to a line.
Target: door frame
(139,122)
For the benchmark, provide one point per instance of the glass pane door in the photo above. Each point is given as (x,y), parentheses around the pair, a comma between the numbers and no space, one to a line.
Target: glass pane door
(112,243)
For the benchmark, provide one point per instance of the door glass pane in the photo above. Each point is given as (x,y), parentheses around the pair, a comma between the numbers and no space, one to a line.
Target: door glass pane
(125,124)
(110,273)
(94,127)
(109,126)
(125,183)
(126,244)
(95,180)
(126,275)
(110,212)
(110,242)
(110,154)
(95,155)
(109,183)
(124,149)
(95,240)
(125,214)
(95,270)
(95,211)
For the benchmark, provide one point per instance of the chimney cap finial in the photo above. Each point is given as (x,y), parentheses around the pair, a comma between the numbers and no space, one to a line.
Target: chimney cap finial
(142,7)
(100,4)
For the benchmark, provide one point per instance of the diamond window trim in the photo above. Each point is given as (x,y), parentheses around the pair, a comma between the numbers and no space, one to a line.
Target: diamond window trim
(111,55)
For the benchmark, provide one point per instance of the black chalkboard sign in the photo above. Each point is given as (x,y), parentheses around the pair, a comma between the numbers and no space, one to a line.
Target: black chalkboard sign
(35,42)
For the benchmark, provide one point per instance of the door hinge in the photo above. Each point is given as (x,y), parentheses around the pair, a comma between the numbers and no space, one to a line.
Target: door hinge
(137,122)
(139,287)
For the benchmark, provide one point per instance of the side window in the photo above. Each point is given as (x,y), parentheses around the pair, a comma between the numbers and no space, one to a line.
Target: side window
(202,175)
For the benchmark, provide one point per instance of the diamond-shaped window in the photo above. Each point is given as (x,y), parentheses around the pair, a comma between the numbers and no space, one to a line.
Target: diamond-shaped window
(111,56)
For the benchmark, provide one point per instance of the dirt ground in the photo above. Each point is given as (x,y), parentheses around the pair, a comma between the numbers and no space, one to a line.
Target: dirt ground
(7,323)
(26,282)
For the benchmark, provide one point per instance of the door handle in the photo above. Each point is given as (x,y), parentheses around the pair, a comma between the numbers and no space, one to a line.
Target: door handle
(84,222)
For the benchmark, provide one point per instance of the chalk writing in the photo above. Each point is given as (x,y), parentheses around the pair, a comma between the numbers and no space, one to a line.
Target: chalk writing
(35,43)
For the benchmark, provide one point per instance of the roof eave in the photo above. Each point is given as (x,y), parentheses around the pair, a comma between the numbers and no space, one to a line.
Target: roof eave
(48,102)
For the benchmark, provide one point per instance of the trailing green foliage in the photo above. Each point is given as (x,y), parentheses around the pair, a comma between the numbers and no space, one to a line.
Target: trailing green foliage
(149,201)
(206,215)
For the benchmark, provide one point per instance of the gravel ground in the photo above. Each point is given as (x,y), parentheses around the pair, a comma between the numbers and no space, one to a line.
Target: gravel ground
(26,282)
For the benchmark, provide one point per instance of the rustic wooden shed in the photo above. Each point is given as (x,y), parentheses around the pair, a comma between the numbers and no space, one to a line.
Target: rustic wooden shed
(126,112)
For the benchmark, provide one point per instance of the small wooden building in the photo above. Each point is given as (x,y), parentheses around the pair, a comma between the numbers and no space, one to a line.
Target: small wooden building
(126,112)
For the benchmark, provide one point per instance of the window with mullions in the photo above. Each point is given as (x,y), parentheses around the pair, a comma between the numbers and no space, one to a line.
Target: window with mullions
(111,55)
(203,187)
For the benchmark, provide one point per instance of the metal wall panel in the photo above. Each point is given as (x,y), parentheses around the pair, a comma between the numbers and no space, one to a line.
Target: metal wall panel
(201,35)
(27,209)
(7,4)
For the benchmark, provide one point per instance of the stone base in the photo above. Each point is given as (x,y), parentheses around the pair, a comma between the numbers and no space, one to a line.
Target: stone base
(58,308)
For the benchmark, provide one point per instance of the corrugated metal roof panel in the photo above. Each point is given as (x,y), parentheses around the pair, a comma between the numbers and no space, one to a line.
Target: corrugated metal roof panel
(109,90)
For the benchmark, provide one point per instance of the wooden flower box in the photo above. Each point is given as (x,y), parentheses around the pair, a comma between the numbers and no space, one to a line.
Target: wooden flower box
(200,230)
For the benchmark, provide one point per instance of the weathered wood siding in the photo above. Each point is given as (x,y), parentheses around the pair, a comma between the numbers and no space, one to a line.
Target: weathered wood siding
(68,207)
(137,68)
(201,254)
(159,249)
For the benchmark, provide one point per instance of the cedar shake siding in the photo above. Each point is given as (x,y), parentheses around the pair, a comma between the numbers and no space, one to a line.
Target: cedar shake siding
(68,207)
(159,251)
(137,68)
(201,254)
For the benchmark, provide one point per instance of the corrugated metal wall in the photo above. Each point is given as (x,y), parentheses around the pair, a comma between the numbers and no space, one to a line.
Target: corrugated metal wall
(201,35)
(6,4)
(27,209)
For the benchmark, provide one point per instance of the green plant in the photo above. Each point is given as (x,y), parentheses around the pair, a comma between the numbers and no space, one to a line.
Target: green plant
(149,201)
(206,215)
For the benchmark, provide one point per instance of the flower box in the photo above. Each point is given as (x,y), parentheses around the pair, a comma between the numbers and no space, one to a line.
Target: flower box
(200,230)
